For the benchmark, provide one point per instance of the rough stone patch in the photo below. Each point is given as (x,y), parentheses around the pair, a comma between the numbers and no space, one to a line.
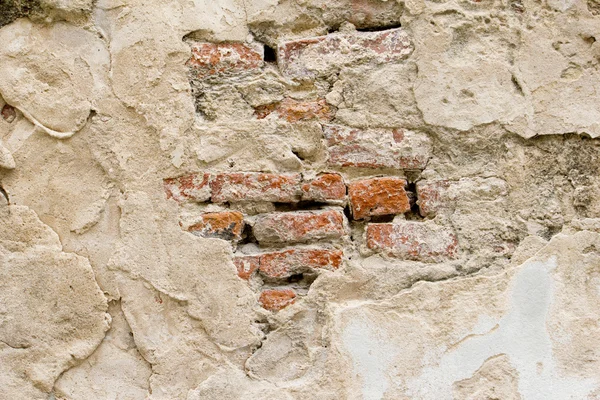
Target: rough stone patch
(276,299)
(256,186)
(194,187)
(224,58)
(226,225)
(376,148)
(431,196)
(378,196)
(325,188)
(312,58)
(299,227)
(409,240)
(293,110)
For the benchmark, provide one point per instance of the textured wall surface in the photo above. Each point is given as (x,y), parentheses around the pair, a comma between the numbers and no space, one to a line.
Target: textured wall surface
(299,199)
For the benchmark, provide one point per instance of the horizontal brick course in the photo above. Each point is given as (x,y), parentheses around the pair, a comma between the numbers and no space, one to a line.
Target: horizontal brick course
(300,226)
(293,110)
(256,186)
(190,187)
(326,188)
(310,58)
(376,148)
(378,196)
(224,58)
(226,225)
(276,299)
(416,241)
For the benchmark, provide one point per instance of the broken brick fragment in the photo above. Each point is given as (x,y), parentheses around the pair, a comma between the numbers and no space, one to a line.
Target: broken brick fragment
(256,186)
(378,196)
(325,188)
(276,299)
(190,187)
(226,225)
(297,110)
(224,58)
(300,226)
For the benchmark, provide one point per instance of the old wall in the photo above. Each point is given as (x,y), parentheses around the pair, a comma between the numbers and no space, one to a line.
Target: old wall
(299,199)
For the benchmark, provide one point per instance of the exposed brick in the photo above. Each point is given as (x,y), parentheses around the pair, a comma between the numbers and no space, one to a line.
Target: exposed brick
(256,186)
(221,58)
(246,265)
(283,264)
(276,299)
(227,225)
(431,196)
(297,110)
(376,148)
(325,188)
(378,196)
(191,187)
(300,226)
(409,240)
(308,59)
(8,113)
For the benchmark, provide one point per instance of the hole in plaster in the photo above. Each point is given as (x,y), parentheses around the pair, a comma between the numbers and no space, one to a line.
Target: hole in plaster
(270,54)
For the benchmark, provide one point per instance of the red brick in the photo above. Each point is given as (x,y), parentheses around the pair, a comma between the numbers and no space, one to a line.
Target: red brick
(276,299)
(8,113)
(378,196)
(193,187)
(224,58)
(376,148)
(431,196)
(409,240)
(297,110)
(321,56)
(300,226)
(325,188)
(227,225)
(246,265)
(256,186)
(286,263)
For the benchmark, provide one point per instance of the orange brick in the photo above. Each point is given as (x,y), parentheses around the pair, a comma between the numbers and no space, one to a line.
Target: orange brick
(255,186)
(325,188)
(227,225)
(246,265)
(300,226)
(297,110)
(224,58)
(191,187)
(276,299)
(378,196)
(289,262)
(409,240)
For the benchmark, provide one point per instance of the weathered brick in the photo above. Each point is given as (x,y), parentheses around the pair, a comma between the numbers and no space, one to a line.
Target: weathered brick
(378,196)
(283,264)
(297,110)
(191,187)
(256,186)
(300,226)
(410,240)
(326,188)
(8,113)
(431,196)
(276,299)
(246,265)
(224,58)
(376,148)
(308,59)
(227,225)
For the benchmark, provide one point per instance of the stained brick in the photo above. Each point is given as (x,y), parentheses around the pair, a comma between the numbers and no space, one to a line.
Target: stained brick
(376,148)
(256,186)
(276,299)
(224,58)
(246,265)
(227,225)
(191,187)
(431,196)
(308,59)
(283,264)
(409,240)
(300,226)
(378,196)
(297,110)
(8,113)
(325,188)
